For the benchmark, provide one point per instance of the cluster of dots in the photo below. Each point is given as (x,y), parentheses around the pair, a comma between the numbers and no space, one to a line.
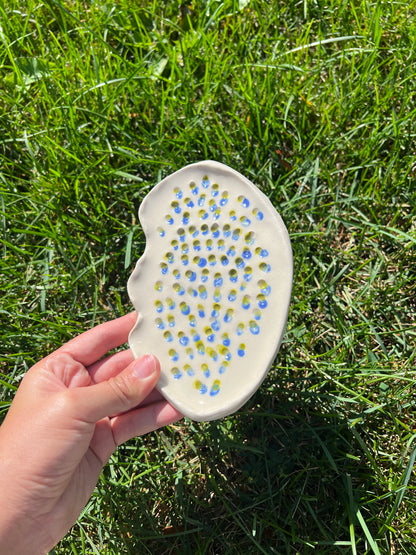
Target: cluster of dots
(204,251)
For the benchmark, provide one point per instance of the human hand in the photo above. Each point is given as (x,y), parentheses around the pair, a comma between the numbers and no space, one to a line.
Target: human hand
(69,414)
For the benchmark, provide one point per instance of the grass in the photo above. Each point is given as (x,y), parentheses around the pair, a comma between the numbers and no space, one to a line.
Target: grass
(313,101)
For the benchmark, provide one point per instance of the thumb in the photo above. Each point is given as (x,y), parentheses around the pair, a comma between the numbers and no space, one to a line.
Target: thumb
(118,394)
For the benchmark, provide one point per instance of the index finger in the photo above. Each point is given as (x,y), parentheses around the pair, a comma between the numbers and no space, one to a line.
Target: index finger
(91,345)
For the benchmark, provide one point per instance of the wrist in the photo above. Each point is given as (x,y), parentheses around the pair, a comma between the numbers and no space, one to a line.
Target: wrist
(20,535)
(20,532)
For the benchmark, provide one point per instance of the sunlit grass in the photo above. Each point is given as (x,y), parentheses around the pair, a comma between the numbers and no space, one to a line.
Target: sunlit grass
(315,103)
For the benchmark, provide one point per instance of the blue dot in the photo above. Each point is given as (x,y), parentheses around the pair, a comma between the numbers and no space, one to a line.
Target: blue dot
(185,309)
(214,391)
(228,317)
(263,304)
(215,313)
(195,190)
(184,340)
(196,337)
(222,369)
(224,260)
(218,282)
(178,194)
(215,325)
(247,254)
(175,357)
(223,201)
(191,276)
(232,296)
(185,220)
(254,328)
(241,353)
(205,183)
(201,313)
(211,337)
(203,389)
(165,270)
(246,222)
(259,216)
(170,220)
(190,203)
(216,234)
(264,253)
(217,295)
(202,262)
(226,342)
(177,375)
(160,325)
(204,278)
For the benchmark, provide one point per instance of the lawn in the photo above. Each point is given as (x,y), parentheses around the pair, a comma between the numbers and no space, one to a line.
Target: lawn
(315,103)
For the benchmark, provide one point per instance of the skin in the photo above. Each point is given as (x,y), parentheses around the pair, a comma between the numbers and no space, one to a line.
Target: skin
(71,411)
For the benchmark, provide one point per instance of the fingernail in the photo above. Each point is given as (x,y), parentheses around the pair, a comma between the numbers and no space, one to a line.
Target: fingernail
(144,366)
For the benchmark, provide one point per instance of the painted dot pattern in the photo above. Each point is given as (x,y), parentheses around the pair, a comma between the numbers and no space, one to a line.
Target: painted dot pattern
(215,268)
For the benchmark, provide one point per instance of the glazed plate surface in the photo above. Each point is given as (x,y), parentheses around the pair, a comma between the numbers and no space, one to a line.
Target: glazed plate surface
(212,288)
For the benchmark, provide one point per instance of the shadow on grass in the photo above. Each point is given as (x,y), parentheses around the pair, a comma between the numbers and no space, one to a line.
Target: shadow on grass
(283,475)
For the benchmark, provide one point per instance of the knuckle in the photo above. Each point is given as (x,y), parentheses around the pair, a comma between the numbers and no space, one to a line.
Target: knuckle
(121,389)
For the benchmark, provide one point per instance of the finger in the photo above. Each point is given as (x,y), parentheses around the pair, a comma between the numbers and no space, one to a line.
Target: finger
(143,420)
(110,366)
(154,397)
(120,393)
(91,345)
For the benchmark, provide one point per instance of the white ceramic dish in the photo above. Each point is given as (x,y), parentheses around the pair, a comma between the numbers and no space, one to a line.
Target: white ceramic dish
(212,289)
